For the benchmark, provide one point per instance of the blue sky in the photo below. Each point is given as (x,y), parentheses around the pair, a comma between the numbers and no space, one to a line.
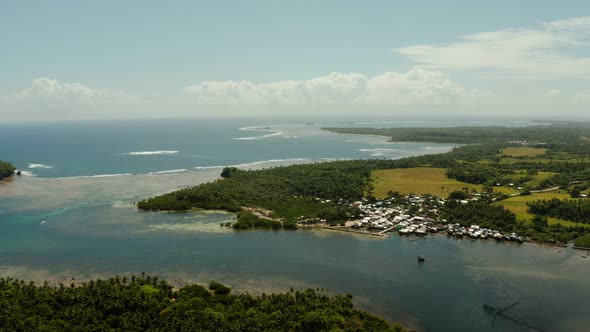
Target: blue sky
(135,54)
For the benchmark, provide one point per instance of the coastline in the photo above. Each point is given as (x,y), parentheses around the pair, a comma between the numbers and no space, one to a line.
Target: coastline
(389,139)
(8,179)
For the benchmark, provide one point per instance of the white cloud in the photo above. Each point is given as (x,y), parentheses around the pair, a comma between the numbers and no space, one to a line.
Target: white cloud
(558,49)
(49,99)
(416,87)
(573,24)
(52,89)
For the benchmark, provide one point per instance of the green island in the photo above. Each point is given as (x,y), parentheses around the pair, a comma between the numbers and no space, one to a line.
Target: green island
(501,183)
(6,170)
(145,303)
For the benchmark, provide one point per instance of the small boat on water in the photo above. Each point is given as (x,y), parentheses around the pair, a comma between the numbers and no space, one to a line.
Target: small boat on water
(421,259)
(43,221)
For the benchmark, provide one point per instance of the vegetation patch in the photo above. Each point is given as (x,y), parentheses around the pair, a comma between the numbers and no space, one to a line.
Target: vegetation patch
(150,304)
(583,241)
(519,205)
(420,180)
(6,170)
(510,160)
(537,179)
(523,151)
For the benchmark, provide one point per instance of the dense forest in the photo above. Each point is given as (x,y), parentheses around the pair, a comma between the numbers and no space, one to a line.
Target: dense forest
(149,304)
(6,169)
(480,213)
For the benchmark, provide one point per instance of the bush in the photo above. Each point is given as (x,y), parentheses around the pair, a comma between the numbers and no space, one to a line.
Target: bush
(219,289)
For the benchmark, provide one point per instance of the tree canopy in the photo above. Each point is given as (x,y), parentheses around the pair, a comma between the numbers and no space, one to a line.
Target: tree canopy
(149,304)
(6,169)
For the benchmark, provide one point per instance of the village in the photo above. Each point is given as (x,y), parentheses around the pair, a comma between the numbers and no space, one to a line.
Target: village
(416,215)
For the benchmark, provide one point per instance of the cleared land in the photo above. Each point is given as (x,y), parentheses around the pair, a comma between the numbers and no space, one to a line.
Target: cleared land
(523,152)
(518,205)
(420,180)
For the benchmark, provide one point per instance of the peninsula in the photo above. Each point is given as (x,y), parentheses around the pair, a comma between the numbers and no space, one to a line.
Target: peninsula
(501,185)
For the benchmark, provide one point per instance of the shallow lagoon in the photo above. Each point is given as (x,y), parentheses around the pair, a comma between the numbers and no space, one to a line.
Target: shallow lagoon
(96,232)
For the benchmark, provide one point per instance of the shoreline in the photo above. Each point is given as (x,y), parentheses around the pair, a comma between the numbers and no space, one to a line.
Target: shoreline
(8,179)
(390,139)
(381,235)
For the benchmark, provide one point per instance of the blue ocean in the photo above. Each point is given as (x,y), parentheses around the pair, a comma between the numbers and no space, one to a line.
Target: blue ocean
(141,147)
(71,215)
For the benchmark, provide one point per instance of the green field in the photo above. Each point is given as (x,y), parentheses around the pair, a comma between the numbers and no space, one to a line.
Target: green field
(518,206)
(510,160)
(523,152)
(538,178)
(420,180)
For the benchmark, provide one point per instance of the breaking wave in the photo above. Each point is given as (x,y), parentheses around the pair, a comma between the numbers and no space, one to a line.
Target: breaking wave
(31,165)
(151,153)
(272,133)
(169,171)
(383,152)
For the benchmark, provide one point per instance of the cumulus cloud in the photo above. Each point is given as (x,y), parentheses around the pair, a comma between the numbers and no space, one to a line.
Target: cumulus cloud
(49,99)
(538,53)
(52,89)
(416,87)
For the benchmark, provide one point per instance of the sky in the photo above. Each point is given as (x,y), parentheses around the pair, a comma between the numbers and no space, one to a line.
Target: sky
(70,60)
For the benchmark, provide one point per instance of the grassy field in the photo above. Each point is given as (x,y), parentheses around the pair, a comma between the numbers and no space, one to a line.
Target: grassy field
(518,206)
(523,151)
(510,160)
(540,177)
(420,180)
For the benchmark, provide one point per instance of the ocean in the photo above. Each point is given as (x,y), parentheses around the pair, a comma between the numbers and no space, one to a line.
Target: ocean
(71,216)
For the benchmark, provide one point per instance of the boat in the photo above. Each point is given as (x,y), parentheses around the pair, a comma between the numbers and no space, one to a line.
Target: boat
(421,259)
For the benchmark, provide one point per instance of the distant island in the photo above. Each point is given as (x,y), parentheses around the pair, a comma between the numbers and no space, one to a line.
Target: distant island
(6,170)
(506,184)
(145,303)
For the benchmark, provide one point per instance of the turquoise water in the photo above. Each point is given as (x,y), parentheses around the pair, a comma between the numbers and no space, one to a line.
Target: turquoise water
(66,221)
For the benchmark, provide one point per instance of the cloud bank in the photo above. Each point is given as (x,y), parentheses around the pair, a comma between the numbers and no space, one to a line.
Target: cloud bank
(49,99)
(558,49)
(416,87)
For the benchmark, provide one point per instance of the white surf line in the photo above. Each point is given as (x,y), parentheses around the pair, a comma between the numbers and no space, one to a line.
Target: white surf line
(32,165)
(180,170)
(273,132)
(150,153)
